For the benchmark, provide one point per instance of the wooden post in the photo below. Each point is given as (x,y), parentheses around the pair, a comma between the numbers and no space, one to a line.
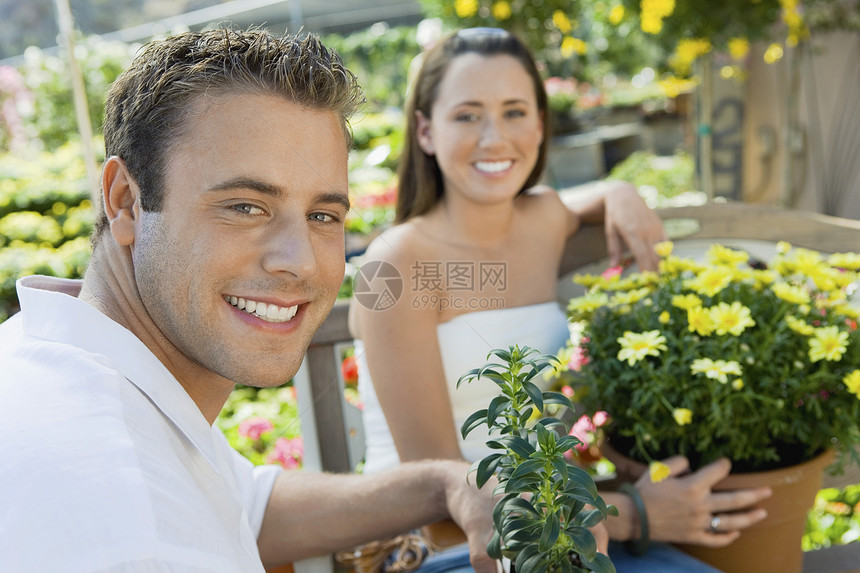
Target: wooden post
(705,127)
(82,114)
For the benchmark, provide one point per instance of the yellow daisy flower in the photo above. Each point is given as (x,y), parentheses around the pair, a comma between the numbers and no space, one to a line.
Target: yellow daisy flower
(720,255)
(828,343)
(850,261)
(799,326)
(683,416)
(699,321)
(664,249)
(466,8)
(710,281)
(616,14)
(791,293)
(630,297)
(587,303)
(658,471)
(852,381)
(664,317)
(737,383)
(732,319)
(686,301)
(718,370)
(635,346)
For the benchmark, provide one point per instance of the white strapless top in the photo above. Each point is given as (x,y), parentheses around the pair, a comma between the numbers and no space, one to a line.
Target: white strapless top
(464,342)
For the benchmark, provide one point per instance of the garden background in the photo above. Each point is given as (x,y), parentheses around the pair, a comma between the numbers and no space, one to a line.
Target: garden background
(758,101)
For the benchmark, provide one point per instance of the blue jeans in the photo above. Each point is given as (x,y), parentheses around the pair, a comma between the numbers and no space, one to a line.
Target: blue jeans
(661,558)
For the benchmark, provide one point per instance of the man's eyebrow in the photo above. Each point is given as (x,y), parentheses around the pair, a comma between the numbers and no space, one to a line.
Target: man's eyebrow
(276,191)
(249,183)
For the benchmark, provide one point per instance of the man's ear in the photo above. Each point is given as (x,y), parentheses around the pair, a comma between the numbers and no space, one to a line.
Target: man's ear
(422,133)
(121,195)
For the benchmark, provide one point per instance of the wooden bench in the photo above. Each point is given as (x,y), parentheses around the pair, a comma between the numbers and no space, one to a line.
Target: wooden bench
(332,428)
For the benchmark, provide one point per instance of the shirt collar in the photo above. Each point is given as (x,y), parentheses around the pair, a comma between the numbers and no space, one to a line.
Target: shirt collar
(51,310)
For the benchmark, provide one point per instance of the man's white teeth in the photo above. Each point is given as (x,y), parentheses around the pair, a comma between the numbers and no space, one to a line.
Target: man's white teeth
(267,312)
(493,166)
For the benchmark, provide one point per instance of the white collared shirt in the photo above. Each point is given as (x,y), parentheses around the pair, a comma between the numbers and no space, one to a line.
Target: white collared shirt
(107,463)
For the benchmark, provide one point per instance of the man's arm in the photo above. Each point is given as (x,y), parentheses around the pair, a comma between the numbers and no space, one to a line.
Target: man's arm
(313,514)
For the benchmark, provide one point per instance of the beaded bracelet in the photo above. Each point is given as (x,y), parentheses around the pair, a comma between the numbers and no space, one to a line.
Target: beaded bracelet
(638,546)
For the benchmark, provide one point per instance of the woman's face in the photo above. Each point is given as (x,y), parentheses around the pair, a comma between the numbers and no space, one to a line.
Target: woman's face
(485,128)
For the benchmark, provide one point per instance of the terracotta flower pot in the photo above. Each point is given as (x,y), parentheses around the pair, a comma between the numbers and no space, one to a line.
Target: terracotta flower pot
(773,544)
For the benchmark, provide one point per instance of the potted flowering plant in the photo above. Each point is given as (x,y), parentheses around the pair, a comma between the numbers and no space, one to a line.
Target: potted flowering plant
(730,357)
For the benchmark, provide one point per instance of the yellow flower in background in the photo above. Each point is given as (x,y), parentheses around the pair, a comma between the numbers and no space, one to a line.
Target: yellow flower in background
(658,471)
(737,384)
(673,86)
(501,10)
(718,370)
(646,278)
(710,281)
(687,51)
(720,255)
(828,343)
(763,277)
(635,346)
(587,280)
(739,48)
(562,22)
(848,310)
(791,293)
(783,247)
(799,326)
(616,14)
(850,261)
(587,303)
(686,301)
(852,381)
(699,321)
(683,416)
(731,318)
(664,249)
(571,46)
(466,8)
(664,317)
(653,12)
(630,297)
(773,54)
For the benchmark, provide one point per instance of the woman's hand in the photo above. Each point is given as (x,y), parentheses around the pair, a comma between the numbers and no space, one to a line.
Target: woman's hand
(682,508)
(628,220)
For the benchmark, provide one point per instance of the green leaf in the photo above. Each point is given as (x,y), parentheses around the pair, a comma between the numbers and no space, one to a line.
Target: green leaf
(535,394)
(473,421)
(494,547)
(600,564)
(527,560)
(520,504)
(497,405)
(486,469)
(526,468)
(583,541)
(557,398)
(518,445)
(550,532)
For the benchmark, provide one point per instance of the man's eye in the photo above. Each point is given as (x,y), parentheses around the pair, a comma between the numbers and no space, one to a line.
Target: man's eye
(323,217)
(247,209)
(467,117)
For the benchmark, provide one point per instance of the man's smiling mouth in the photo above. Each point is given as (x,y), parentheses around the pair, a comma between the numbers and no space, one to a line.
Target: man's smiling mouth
(263,311)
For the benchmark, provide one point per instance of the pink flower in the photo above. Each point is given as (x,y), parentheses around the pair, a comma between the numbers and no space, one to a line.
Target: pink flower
(287,452)
(578,359)
(567,391)
(600,418)
(612,272)
(253,428)
(580,430)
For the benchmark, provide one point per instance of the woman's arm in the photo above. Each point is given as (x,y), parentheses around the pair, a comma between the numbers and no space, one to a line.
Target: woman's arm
(405,362)
(626,217)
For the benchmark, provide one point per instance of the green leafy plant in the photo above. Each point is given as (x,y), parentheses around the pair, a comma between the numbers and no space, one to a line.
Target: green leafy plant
(546,506)
(834,519)
(728,357)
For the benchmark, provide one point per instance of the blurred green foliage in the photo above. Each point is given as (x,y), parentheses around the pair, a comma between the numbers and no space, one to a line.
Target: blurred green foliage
(835,518)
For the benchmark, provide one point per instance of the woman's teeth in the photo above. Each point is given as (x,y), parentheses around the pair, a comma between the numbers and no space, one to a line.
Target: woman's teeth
(267,312)
(493,166)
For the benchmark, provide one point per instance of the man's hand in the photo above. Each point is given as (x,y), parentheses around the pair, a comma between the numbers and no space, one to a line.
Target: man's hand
(472,510)
(628,220)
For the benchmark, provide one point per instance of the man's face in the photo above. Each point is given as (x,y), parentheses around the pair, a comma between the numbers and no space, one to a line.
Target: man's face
(244,261)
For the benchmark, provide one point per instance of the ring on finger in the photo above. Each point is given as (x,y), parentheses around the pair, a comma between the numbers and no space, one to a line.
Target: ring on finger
(715,523)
